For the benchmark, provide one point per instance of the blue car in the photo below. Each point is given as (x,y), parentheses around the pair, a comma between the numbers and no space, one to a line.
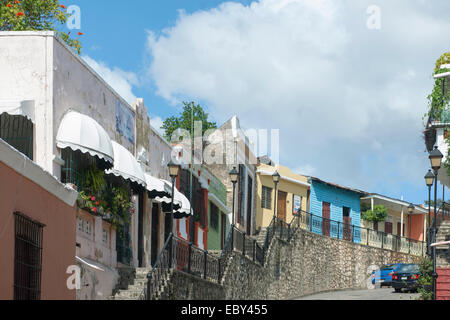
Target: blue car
(383,277)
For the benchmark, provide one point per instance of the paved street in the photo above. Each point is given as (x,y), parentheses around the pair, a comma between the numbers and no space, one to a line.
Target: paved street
(377,294)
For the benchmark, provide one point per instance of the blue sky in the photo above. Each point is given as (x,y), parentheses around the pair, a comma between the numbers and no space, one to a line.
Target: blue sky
(115,32)
(348,100)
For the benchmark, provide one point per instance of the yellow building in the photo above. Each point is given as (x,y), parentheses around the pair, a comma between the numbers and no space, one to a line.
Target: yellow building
(293,193)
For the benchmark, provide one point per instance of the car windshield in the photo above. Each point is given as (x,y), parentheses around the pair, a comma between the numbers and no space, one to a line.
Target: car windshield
(408,268)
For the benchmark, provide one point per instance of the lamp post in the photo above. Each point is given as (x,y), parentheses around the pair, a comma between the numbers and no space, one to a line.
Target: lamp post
(410,212)
(436,160)
(234,175)
(429,180)
(276,178)
(173,173)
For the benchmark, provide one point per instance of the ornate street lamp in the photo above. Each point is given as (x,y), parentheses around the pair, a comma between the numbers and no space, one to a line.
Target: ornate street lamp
(276,179)
(234,176)
(436,161)
(173,173)
(410,212)
(429,180)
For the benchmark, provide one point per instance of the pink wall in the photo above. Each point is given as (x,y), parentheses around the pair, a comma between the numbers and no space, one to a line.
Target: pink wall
(18,194)
(417,222)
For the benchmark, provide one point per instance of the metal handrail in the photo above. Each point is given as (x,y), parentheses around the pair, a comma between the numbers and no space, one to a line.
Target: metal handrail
(185,256)
(268,236)
(146,292)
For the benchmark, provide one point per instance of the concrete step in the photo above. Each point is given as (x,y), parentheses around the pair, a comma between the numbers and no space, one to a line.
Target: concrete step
(142,274)
(128,294)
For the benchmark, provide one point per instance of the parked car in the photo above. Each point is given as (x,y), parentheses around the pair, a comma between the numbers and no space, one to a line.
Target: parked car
(406,277)
(383,277)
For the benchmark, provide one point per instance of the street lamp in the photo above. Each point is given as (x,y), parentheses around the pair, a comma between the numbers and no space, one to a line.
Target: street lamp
(410,212)
(429,180)
(234,176)
(173,173)
(276,179)
(436,160)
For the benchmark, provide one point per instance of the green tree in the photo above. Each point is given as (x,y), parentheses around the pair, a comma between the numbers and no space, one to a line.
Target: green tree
(378,214)
(184,121)
(36,15)
(438,101)
(426,280)
(431,203)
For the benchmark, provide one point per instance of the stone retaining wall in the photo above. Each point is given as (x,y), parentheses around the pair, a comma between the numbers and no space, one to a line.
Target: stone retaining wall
(308,264)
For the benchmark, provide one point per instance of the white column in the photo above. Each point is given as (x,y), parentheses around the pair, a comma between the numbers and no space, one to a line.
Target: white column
(401,224)
(371,208)
(425,223)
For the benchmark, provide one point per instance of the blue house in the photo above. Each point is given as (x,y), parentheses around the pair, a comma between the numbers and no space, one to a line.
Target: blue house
(336,210)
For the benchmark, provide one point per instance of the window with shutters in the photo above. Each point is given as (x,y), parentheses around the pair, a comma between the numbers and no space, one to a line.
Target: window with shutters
(18,132)
(388,227)
(27,258)
(214,216)
(266,198)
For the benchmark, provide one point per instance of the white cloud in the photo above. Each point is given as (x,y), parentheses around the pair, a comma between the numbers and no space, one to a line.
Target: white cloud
(121,81)
(157,122)
(348,100)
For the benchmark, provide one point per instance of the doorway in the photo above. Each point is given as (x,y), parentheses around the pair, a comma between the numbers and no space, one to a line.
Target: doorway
(326,214)
(281,205)
(347,220)
(155,233)
(249,205)
(223,224)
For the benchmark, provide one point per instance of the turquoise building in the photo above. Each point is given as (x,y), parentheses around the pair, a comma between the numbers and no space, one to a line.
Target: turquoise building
(336,210)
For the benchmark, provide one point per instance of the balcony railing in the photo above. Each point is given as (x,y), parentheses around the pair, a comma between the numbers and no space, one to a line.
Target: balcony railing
(348,232)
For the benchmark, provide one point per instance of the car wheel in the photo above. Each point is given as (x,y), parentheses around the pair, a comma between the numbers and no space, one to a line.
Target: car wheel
(398,290)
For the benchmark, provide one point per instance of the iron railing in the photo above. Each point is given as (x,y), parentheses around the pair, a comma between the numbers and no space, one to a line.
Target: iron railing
(248,246)
(181,255)
(158,272)
(442,214)
(356,234)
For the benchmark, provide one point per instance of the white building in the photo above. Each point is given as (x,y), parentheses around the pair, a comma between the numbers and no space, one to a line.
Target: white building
(52,101)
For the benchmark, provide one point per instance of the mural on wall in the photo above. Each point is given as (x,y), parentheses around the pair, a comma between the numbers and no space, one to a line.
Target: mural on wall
(125,121)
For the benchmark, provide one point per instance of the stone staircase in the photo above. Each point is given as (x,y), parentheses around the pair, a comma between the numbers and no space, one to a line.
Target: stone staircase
(261,237)
(443,252)
(133,290)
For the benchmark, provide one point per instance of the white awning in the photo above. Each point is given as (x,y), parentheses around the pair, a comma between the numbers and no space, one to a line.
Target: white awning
(126,165)
(80,132)
(184,209)
(185,204)
(18,108)
(157,187)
